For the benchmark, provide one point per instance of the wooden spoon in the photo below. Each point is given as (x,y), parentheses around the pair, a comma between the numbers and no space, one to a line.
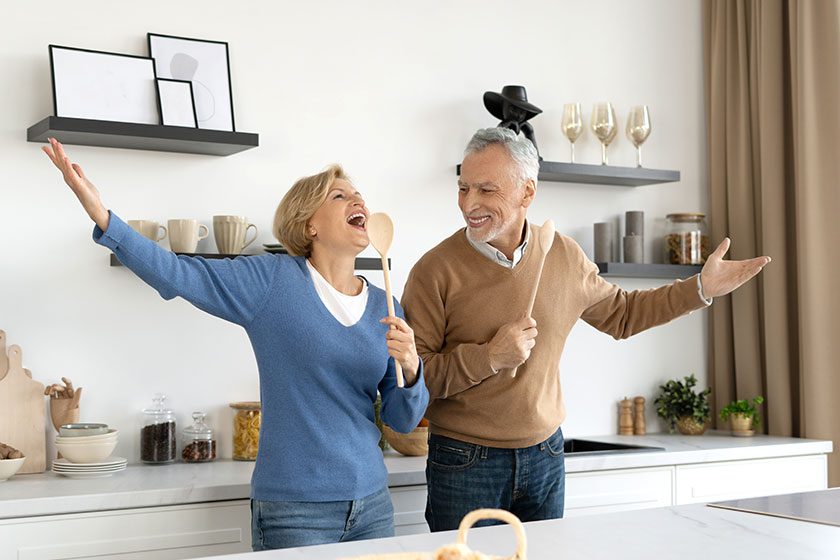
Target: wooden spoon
(545,239)
(380,230)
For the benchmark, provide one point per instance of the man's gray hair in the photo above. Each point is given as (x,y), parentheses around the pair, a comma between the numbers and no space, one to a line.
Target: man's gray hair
(521,150)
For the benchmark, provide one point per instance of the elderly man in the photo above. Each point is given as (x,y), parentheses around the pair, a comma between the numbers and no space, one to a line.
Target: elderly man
(496,439)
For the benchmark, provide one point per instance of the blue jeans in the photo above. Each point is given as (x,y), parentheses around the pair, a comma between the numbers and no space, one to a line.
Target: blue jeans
(529,482)
(292,524)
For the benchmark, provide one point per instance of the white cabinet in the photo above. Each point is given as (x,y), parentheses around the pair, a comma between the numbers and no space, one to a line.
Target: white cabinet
(158,533)
(731,480)
(409,509)
(588,493)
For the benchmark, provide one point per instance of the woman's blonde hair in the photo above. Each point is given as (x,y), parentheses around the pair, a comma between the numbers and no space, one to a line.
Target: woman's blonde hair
(291,220)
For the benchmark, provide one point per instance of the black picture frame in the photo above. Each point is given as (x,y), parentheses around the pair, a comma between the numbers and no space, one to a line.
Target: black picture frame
(204,62)
(163,99)
(82,89)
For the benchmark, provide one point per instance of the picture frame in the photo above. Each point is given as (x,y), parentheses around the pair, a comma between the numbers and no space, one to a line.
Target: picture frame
(176,103)
(206,64)
(105,86)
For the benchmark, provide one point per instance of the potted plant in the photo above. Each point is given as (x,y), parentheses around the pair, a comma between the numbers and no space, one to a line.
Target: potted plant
(682,407)
(742,415)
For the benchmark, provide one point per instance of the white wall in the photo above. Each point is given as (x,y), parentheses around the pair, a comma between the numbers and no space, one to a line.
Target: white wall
(392,90)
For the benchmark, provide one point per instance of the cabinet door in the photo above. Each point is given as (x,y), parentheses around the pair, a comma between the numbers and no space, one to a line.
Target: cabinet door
(409,509)
(732,480)
(588,493)
(160,533)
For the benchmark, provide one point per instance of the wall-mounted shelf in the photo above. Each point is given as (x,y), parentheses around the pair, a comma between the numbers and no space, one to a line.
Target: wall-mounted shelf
(108,134)
(602,174)
(362,263)
(643,270)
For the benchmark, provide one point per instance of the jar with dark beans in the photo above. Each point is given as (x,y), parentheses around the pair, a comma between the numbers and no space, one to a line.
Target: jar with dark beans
(157,437)
(199,445)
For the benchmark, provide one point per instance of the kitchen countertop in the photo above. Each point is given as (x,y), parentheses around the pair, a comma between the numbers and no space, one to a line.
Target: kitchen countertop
(181,483)
(693,532)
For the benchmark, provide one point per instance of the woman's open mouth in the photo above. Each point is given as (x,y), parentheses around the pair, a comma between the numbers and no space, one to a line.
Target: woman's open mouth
(357,220)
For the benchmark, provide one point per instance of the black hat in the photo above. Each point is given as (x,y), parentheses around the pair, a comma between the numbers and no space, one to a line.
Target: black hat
(514,95)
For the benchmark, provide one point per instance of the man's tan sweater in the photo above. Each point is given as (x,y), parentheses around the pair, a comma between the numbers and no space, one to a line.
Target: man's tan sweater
(456,299)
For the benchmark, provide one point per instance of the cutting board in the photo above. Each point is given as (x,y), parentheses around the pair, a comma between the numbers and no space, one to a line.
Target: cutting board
(22,416)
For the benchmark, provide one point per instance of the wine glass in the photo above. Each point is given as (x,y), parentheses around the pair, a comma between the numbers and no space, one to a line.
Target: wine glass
(638,129)
(572,124)
(603,125)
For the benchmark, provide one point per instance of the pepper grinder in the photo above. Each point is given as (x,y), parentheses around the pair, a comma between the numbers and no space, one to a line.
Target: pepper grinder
(625,417)
(639,416)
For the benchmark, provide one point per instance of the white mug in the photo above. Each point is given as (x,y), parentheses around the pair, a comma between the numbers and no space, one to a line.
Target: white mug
(148,228)
(185,234)
(230,233)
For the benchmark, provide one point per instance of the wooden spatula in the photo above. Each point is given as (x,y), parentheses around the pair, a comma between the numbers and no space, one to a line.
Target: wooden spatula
(545,239)
(380,230)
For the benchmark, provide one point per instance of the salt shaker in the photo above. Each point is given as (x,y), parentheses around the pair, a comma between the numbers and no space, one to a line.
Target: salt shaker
(639,416)
(625,417)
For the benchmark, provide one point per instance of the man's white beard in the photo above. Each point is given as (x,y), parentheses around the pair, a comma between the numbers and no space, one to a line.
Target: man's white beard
(491,233)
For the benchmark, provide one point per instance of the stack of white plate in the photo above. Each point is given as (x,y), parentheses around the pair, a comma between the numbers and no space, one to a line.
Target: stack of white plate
(98,469)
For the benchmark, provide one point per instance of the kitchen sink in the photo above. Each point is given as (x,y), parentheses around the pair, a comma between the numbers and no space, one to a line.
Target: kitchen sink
(590,447)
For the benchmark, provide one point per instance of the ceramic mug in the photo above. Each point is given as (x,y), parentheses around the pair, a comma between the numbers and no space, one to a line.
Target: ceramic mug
(230,233)
(148,228)
(185,234)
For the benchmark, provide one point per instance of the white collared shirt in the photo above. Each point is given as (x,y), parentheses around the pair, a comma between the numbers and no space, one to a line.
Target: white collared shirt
(497,256)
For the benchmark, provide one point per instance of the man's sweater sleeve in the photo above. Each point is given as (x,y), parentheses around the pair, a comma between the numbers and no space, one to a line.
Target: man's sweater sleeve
(232,289)
(460,367)
(622,314)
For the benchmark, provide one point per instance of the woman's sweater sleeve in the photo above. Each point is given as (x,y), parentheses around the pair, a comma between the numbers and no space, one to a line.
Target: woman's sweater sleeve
(232,289)
(403,407)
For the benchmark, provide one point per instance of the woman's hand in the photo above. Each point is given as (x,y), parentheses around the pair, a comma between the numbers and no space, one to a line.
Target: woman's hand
(401,347)
(82,188)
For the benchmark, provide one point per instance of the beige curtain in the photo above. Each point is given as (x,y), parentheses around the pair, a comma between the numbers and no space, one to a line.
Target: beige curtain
(773,114)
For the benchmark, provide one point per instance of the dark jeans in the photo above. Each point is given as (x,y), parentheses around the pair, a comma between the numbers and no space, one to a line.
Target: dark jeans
(292,524)
(529,482)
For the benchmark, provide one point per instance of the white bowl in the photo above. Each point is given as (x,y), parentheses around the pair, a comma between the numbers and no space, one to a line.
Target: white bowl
(8,467)
(111,435)
(80,429)
(86,452)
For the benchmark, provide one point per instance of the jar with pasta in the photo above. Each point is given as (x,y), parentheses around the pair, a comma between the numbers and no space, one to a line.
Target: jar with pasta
(246,430)
(686,238)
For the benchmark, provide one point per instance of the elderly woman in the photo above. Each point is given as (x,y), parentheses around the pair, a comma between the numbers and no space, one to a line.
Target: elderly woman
(322,347)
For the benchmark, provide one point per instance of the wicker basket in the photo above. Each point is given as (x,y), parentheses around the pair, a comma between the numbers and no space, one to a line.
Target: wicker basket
(460,550)
(413,444)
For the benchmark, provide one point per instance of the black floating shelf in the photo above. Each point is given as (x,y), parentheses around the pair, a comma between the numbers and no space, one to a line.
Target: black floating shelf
(362,263)
(602,174)
(642,270)
(109,134)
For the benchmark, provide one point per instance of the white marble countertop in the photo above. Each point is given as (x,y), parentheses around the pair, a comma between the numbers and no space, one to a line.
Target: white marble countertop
(181,483)
(693,532)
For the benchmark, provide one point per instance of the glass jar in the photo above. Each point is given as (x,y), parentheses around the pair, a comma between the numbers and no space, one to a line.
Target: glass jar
(686,239)
(199,445)
(157,437)
(246,430)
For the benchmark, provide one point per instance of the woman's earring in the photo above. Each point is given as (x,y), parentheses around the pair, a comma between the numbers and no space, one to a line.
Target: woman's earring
(312,232)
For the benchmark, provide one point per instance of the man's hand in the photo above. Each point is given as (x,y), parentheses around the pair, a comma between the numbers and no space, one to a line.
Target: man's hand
(719,277)
(512,344)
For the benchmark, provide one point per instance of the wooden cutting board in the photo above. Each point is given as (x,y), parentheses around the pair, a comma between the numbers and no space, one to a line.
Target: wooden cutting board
(22,416)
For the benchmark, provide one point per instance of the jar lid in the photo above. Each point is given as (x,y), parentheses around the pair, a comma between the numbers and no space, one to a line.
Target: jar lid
(246,405)
(686,216)
(158,406)
(199,430)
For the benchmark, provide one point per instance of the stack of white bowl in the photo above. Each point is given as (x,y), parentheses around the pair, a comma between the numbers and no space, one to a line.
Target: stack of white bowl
(86,451)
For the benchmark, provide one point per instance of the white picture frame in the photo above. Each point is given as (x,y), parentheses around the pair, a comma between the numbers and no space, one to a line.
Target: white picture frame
(207,65)
(103,86)
(177,107)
